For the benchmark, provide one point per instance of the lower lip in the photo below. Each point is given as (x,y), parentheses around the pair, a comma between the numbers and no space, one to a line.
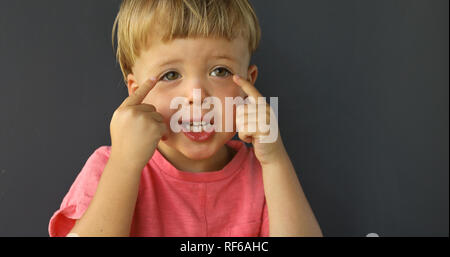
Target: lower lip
(199,136)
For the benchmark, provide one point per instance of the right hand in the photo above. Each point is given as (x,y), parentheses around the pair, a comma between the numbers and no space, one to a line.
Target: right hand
(136,128)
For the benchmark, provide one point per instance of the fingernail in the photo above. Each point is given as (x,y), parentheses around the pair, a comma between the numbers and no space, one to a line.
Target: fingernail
(238,77)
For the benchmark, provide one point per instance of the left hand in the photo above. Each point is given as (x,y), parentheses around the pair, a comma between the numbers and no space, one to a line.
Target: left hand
(265,152)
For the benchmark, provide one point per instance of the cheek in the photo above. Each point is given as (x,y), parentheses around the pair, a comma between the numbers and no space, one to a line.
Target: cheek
(237,91)
(233,91)
(160,102)
(229,91)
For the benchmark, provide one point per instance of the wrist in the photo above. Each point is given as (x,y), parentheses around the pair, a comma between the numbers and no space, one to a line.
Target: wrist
(280,158)
(125,163)
(276,153)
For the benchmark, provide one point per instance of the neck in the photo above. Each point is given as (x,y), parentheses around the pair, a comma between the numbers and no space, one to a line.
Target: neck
(213,163)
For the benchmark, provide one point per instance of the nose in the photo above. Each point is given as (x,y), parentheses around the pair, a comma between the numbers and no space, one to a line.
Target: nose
(196,90)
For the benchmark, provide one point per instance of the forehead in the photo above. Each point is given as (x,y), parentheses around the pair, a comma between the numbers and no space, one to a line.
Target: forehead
(159,52)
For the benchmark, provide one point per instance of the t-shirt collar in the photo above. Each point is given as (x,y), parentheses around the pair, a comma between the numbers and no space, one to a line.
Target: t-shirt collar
(208,176)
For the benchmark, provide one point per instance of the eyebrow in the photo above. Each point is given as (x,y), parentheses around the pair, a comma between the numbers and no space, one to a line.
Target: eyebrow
(224,56)
(220,56)
(169,62)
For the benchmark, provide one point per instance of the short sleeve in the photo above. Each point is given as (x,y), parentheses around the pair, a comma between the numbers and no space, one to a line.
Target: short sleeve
(265,222)
(77,200)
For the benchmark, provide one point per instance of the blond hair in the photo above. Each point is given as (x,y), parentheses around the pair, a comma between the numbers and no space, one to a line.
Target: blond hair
(139,20)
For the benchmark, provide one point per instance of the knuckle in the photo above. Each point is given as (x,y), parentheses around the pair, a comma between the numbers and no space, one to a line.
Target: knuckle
(148,117)
(240,109)
(150,107)
(158,117)
(133,112)
(121,112)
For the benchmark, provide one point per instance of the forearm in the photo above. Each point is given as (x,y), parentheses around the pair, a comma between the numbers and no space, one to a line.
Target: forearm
(288,209)
(111,210)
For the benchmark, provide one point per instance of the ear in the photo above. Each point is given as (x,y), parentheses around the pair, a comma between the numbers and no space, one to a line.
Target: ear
(131,84)
(252,74)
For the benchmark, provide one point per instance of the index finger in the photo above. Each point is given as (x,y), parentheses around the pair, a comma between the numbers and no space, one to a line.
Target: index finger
(138,96)
(247,87)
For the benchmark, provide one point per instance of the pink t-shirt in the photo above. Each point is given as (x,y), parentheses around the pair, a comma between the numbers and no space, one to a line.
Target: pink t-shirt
(174,203)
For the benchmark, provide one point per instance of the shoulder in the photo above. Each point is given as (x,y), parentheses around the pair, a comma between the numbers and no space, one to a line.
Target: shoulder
(96,162)
(99,155)
(101,152)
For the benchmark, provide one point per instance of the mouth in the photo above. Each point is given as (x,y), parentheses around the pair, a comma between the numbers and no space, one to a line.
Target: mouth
(198,130)
(197,125)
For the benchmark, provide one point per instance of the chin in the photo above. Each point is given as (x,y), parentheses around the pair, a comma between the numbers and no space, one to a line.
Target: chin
(204,150)
(196,155)
(199,151)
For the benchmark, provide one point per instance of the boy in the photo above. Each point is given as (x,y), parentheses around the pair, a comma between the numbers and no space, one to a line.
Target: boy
(153,181)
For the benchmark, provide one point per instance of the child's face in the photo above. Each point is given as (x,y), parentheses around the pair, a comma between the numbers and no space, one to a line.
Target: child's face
(183,65)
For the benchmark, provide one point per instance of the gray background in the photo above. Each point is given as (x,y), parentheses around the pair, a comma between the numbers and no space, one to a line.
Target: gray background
(363,107)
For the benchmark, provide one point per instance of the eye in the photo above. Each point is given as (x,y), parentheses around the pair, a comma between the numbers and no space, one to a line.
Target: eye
(171,75)
(221,72)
